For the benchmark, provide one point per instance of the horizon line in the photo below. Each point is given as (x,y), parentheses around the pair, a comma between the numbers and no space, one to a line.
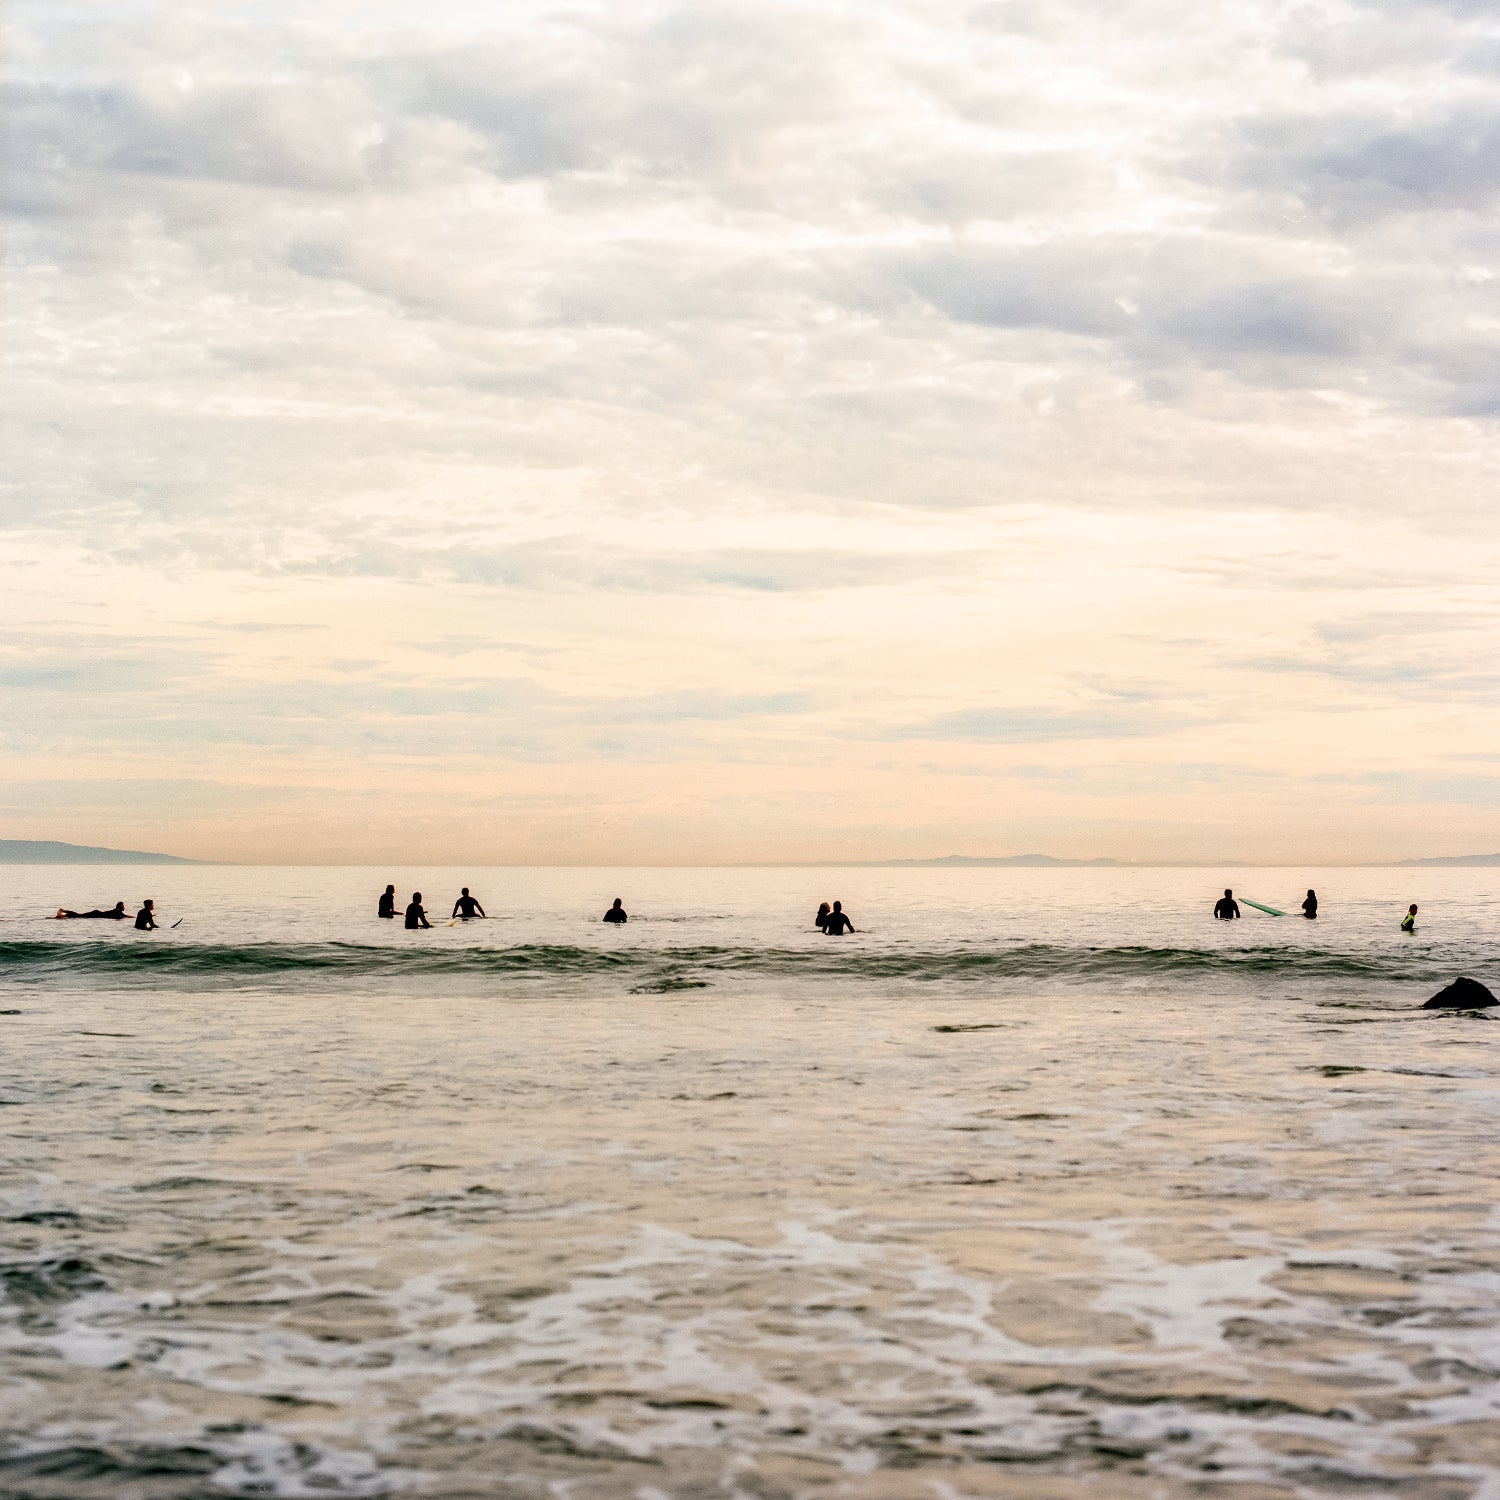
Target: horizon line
(187,862)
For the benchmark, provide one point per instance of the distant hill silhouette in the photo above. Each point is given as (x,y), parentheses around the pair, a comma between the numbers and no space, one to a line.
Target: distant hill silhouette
(1469,860)
(51,852)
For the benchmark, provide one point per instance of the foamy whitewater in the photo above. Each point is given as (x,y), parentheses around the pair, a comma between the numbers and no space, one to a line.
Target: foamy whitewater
(1042,1184)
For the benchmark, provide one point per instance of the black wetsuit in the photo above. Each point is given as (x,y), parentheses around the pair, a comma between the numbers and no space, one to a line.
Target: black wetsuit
(1310,907)
(416,917)
(837,924)
(116,914)
(465,907)
(1226,908)
(616,914)
(145,920)
(387,904)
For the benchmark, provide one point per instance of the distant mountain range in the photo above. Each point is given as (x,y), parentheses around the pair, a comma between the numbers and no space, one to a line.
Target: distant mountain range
(51,852)
(54,852)
(1456,859)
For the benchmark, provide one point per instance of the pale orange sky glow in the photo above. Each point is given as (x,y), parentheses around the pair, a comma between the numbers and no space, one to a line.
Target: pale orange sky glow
(710,433)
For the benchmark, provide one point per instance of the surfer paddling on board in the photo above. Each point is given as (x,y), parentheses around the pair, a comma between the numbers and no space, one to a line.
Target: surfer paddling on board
(1409,921)
(415,916)
(1226,909)
(617,913)
(838,922)
(116,913)
(467,906)
(387,902)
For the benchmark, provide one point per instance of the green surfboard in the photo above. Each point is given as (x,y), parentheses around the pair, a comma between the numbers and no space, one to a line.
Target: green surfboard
(1269,910)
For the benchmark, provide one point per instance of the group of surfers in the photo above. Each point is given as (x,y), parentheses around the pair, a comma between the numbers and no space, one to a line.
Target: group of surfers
(830,920)
(1226,909)
(145,918)
(465,909)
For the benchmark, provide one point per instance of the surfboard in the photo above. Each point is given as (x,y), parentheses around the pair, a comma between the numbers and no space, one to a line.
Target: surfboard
(1270,911)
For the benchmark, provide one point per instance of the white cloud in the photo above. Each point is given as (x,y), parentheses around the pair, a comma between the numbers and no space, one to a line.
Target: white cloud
(904,364)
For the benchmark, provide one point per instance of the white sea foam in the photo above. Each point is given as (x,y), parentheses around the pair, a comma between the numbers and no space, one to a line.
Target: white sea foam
(355,1242)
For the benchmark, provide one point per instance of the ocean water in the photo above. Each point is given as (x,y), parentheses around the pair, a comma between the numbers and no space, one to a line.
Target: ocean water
(1042,1184)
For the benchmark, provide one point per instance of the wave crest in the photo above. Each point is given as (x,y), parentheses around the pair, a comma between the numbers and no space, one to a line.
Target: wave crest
(664,970)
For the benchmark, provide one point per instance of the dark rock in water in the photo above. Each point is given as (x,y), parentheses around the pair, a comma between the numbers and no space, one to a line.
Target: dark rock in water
(1462,994)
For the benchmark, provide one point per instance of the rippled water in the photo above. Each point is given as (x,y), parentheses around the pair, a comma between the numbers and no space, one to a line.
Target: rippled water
(1042,1184)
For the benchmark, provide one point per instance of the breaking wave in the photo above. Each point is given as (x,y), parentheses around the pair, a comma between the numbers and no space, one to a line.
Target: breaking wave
(663,970)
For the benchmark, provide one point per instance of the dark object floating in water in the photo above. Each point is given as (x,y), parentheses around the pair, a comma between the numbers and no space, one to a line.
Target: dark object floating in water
(1462,994)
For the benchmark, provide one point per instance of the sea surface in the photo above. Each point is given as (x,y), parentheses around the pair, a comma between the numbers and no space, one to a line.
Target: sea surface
(1042,1184)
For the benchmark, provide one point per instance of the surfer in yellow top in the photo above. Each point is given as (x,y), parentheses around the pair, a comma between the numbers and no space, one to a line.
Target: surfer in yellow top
(1409,921)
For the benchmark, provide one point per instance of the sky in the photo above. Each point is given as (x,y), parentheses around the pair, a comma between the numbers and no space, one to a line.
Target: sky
(715,432)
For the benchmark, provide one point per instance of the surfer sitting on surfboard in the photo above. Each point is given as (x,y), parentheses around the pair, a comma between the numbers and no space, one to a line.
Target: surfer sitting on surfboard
(617,913)
(1227,908)
(467,906)
(415,916)
(145,918)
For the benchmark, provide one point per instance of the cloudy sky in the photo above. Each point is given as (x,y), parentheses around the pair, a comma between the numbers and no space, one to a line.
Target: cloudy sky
(571,432)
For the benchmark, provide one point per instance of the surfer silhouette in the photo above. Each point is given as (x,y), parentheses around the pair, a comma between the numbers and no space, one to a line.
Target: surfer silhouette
(145,918)
(388,902)
(1409,921)
(415,916)
(1310,906)
(116,913)
(1226,909)
(617,913)
(821,920)
(838,923)
(467,906)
